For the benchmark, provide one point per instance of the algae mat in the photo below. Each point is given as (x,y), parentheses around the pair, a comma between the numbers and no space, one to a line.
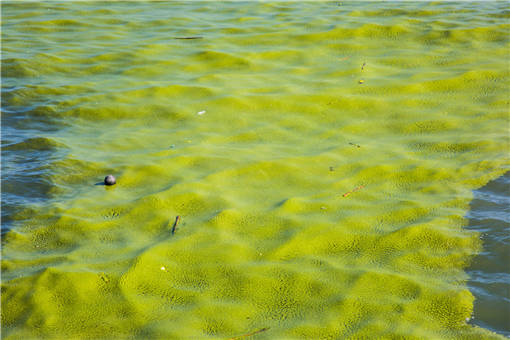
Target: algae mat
(321,156)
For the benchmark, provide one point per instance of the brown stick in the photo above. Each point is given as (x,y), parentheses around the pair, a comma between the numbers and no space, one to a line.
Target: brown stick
(249,334)
(353,190)
(177,219)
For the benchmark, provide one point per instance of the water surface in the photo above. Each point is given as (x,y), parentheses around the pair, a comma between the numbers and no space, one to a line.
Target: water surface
(322,157)
(489,273)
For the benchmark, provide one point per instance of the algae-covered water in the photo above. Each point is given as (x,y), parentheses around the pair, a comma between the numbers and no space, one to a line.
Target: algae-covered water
(322,158)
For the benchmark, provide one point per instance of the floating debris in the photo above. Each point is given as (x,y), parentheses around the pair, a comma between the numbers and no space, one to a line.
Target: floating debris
(201,112)
(110,180)
(188,38)
(362,68)
(250,334)
(172,146)
(163,268)
(359,146)
(174,228)
(105,278)
(331,168)
(353,190)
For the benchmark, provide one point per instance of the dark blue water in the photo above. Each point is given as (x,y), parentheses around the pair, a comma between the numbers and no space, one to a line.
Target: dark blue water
(490,271)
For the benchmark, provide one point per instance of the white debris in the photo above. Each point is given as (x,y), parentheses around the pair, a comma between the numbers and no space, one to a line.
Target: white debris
(200,113)
(163,269)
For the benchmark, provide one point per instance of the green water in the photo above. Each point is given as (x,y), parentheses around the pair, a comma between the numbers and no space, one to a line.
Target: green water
(322,193)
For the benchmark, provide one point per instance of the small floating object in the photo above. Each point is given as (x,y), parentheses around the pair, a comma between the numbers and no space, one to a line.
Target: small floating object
(187,38)
(174,228)
(363,66)
(353,190)
(250,334)
(200,112)
(359,146)
(110,180)
(104,278)
(361,81)
(163,268)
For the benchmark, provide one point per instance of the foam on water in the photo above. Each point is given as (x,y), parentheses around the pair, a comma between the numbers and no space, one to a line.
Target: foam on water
(311,204)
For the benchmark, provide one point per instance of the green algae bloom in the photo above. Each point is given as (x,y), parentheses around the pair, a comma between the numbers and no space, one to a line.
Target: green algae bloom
(321,157)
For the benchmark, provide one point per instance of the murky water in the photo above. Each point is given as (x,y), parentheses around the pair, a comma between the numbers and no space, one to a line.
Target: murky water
(322,158)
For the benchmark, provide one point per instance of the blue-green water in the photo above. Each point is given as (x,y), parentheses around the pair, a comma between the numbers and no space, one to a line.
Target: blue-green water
(323,159)
(489,273)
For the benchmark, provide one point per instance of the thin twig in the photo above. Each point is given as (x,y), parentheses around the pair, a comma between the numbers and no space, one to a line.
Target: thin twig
(353,190)
(187,38)
(177,219)
(249,334)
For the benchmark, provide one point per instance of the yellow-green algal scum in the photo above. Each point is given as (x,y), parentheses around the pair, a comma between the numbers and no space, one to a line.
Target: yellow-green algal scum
(321,157)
